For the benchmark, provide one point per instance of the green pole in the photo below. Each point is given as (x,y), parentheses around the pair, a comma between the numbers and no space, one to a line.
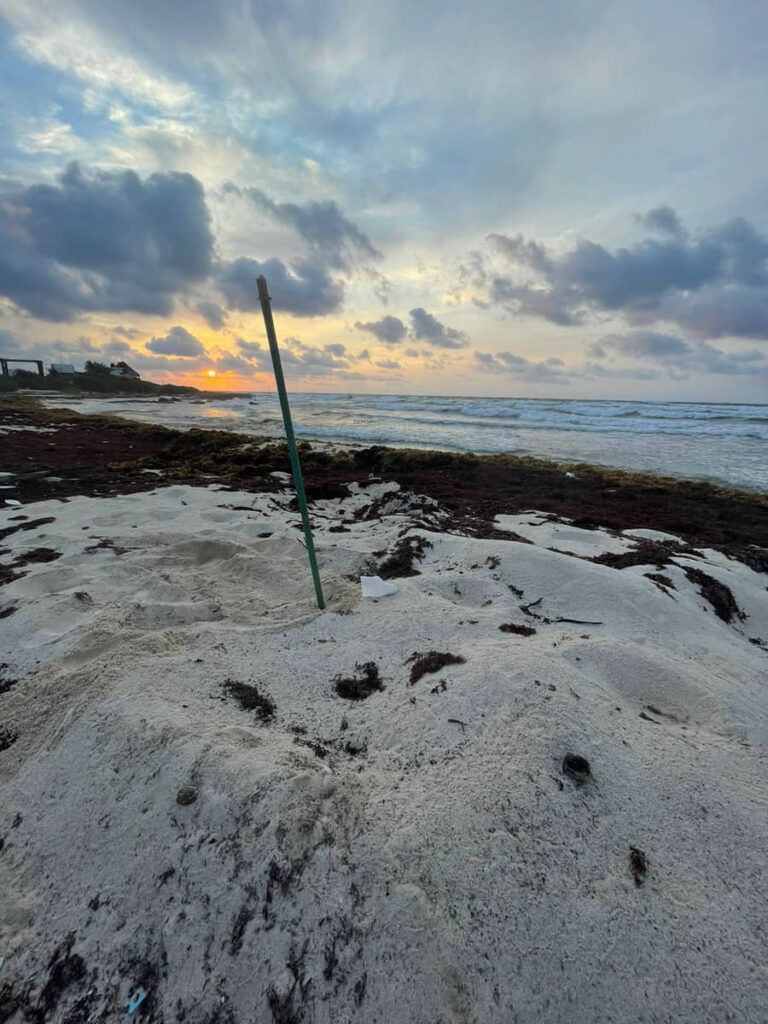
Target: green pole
(293,451)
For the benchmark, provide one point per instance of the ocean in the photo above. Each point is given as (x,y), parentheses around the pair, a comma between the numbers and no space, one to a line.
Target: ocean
(708,441)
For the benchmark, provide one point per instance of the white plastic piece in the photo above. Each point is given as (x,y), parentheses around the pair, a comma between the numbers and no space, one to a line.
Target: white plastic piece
(375,586)
(13,502)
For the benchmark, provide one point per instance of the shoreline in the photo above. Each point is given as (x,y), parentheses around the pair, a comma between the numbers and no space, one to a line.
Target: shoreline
(59,453)
(550,432)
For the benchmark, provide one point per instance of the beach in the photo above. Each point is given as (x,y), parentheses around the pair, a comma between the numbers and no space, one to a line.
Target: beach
(529,785)
(721,443)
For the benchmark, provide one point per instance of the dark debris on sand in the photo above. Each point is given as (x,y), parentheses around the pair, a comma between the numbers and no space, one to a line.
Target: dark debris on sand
(399,561)
(661,581)
(432,661)
(7,738)
(7,682)
(647,552)
(638,865)
(36,556)
(361,685)
(717,594)
(250,699)
(513,627)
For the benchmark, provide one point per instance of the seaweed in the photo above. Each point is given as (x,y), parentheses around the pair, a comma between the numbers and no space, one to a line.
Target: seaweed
(512,627)
(717,594)
(32,524)
(399,563)
(36,555)
(359,686)
(7,738)
(249,699)
(638,865)
(64,969)
(432,661)
(664,583)
(646,552)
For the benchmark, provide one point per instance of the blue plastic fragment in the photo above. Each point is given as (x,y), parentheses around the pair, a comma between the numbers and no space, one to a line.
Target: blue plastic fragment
(136,1000)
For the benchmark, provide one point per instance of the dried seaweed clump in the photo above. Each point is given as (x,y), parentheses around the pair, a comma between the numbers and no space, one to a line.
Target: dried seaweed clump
(513,627)
(399,562)
(432,661)
(718,594)
(362,684)
(249,699)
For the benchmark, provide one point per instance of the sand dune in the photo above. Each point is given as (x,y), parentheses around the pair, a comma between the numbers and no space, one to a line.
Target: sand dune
(416,856)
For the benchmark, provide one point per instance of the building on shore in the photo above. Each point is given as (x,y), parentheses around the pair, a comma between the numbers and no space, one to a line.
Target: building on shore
(122,369)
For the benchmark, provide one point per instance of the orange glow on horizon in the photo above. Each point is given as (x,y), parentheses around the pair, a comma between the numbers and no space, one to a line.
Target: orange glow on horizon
(211,373)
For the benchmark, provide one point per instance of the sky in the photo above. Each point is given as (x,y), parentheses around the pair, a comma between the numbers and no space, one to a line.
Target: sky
(554,198)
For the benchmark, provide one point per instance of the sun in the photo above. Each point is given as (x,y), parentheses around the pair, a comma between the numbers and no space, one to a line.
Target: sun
(211,373)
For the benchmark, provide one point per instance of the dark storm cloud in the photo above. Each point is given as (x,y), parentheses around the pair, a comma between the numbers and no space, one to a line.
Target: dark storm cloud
(425,327)
(715,284)
(177,342)
(390,329)
(107,241)
(304,288)
(330,235)
(663,220)
(213,314)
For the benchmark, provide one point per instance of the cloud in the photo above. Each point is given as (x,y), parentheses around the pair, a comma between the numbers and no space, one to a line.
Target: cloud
(109,241)
(641,345)
(388,364)
(673,352)
(555,371)
(213,314)
(307,361)
(663,220)
(425,327)
(66,350)
(304,288)
(177,342)
(331,237)
(715,283)
(390,329)
(508,362)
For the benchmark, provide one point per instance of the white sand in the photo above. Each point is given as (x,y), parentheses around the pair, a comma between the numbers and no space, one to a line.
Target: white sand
(435,865)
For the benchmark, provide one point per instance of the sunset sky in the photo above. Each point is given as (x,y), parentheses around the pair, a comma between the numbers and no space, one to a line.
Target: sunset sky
(563,197)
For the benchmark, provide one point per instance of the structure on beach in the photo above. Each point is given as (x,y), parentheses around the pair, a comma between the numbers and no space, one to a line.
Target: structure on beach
(5,372)
(63,369)
(122,369)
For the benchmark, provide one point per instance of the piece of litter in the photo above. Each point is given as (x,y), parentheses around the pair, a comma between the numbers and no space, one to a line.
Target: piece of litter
(570,475)
(136,1000)
(13,502)
(375,586)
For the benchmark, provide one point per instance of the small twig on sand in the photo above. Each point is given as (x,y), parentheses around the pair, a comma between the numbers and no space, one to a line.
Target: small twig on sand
(527,608)
(579,622)
(458,721)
